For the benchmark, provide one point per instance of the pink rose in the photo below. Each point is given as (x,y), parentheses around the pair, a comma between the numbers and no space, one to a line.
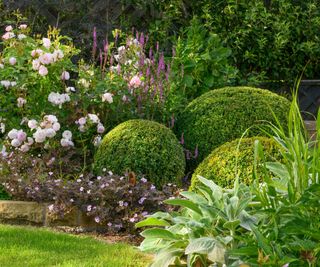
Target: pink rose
(9,28)
(65,76)
(46,42)
(23,26)
(46,58)
(36,64)
(8,35)
(43,71)
(135,82)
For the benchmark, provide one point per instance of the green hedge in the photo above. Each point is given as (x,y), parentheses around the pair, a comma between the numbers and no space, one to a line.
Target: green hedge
(144,147)
(223,115)
(226,161)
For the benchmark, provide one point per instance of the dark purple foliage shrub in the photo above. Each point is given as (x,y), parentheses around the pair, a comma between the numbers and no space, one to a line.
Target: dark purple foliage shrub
(117,202)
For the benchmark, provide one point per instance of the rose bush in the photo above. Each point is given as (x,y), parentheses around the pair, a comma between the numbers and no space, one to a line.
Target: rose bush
(49,103)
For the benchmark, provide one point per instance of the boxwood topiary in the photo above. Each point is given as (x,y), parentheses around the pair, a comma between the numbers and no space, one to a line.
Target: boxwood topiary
(227,161)
(144,147)
(222,115)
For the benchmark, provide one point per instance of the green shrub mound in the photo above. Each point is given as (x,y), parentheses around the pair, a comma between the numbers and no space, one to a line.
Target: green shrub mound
(229,160)
(222,115)
(144,147)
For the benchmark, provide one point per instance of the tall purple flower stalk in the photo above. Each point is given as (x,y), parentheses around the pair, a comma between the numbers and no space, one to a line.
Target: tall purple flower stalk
(94,47)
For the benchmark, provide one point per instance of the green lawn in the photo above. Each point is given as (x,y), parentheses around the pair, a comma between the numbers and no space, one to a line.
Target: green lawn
(33,247)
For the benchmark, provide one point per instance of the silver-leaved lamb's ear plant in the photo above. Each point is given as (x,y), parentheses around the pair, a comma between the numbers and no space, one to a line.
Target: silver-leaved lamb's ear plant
(210,224)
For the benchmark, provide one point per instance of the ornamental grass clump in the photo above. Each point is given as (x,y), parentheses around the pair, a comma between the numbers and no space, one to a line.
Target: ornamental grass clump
(144,147)
(234,159)
(223,115)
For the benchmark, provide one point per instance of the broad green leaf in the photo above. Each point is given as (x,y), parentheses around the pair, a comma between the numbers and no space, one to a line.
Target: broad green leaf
(166,258)
(194,197)
(278,169)
(152,244)
(216,190)
(184,203)
(161,215)
(159,233)
(262,241)
(232,224)
(234,201)
(201,245)
(217,254)
(152,222)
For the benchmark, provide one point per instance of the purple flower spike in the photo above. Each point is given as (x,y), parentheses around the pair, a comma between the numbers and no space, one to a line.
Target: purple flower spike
(100,56)
(105,45)
(141,40)
(161,64)
(148,72)
(150,54)
(94,48)
(182,139)
(196,152)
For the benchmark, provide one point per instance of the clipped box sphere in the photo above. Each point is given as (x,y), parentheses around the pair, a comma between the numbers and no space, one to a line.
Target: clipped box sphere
(222,115)
(145,148)
(227,161)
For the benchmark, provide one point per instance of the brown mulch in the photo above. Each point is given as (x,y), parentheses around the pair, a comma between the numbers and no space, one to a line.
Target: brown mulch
(134,240)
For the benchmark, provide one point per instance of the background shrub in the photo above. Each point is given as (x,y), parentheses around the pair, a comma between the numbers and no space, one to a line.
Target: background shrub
(287,29)
(203,60)
(225,114)
(144,147)
(227,161)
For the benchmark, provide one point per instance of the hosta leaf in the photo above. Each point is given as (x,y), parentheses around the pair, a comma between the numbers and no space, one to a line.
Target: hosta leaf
(161,215)
(201,245)
(232,224)
(152,222)
(166,258)
(152,244)
(217,254)
(279,170)
(216,190)
(159,233)
(184,203)
(247,220)
(194,197)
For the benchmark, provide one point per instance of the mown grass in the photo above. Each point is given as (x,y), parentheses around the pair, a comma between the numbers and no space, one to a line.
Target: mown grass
(33,247)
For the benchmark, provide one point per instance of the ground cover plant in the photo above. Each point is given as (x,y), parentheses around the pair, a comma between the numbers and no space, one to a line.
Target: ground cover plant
(115,202)
(39,247)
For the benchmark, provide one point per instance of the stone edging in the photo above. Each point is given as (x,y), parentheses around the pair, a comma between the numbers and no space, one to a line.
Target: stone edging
(32,213)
